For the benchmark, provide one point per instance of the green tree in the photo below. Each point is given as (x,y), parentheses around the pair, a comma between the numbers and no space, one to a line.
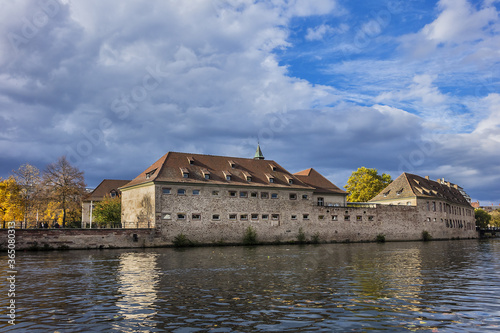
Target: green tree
(65,185)
(108,211)
(482,218)
(495,218)
(366,183)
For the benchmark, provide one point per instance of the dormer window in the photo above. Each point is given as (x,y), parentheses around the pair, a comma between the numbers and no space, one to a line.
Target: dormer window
(270,178)
(206,174)
(399,192)
(185,173)
(191,160)
(227,175)
(290,180)
(232,164)
(248,176)
(273,167)
(150,173)
(387,193)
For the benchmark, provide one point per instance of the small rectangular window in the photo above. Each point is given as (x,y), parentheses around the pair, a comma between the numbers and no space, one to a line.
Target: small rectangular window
(359,218)
(167,216)
(264,195)
(255,216)
(196,192)
(294,217)
(370,218)
(232,217)
(228,177)
(249,179)
(334,218)
(265,216)
(215,192)
(166,190)
(274,195)
(275,217)
(207,176)
(215,217)
(321,217)
(254,194)
(244,217)
(305,216)
(181,216)
(181,191)
(347,218)
(271,180)
(232,193)
(305,197)
(290,181)
(243,194)
(293,196)
(196,217)
(185,175)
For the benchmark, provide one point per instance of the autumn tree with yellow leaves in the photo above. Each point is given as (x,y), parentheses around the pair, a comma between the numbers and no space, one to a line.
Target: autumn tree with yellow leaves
(10,201)
(364,184)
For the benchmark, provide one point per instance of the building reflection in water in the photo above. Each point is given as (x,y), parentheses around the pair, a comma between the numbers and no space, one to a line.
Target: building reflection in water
(137,280)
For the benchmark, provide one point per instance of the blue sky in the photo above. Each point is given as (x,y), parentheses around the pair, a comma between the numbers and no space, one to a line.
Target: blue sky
(335,85)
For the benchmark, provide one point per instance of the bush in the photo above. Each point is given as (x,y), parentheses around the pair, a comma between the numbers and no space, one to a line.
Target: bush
(301,237)
(380,238)
(426,236)
(315,238)
(182,241)
(250,237)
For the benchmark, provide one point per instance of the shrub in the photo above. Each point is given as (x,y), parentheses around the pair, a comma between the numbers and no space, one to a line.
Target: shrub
(380,238)
(315,238)
(182,241)
(426,236)
(250,237)
(301,237)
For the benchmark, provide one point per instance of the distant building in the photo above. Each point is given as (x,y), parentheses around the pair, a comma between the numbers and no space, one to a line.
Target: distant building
(438,201)
(107,188)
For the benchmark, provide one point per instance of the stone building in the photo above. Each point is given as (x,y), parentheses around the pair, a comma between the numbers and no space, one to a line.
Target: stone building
(439,202)
(107,188)
(193,188)
(214,199)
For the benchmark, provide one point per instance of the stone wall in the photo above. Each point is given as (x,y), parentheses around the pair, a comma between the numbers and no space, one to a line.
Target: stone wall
(26,239)
(138,207)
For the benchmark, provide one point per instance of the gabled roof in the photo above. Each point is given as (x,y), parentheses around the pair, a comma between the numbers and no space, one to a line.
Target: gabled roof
(168,169)
(105,188)
(410,185)
(321,184)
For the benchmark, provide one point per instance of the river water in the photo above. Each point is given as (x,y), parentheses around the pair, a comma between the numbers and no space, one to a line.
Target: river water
(440,286)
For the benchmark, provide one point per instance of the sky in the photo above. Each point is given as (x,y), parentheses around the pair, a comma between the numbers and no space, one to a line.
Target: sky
(399,86)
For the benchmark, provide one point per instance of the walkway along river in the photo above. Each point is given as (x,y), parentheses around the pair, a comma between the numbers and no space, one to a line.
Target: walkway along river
(442,286)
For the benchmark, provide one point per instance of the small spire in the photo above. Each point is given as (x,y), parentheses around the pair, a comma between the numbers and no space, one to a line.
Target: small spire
(258,153)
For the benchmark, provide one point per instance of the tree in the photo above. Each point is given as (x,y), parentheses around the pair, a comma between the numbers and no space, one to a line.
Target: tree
(10,201)
(365,183)
(65,185)
(29,180)
(495,218)
(107,211)
(482,218)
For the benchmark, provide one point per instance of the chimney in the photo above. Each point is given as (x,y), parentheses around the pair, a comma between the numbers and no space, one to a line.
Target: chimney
(427,177)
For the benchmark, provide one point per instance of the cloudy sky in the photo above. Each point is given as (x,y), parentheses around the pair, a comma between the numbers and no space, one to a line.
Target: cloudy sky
(332,84)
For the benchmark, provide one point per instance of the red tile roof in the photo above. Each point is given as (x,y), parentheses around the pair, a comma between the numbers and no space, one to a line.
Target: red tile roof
(315,179)
(170,168)
(105,188)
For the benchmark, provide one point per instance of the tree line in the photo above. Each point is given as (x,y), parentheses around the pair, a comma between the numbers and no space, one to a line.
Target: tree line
(51,197)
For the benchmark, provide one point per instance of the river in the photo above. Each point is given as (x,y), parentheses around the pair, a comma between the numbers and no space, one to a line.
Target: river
(438,286)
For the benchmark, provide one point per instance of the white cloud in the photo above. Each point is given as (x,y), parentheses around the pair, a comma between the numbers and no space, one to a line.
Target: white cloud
(319,32)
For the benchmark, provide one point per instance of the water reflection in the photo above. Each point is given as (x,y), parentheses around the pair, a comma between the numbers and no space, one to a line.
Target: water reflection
(436,286)
(137,281)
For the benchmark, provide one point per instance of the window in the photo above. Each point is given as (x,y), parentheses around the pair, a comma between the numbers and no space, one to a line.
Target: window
(191,160)
(321,217)
(290,181)
(274,195)
(347,218)
(264,195)
(305,197)
(271,179)
(113,194)
(232,193)
(400,191)
(181,216)
(196,192)
(428,206)
(181,191)
(196,217)
(207,176)
(215,192)
(232,164)
(167,216)
(387,193)
(255,216)
(359,218)
(253,194)
(294,217)
(228,177)
(305,216)
(275,217)
(370,218)
(334,218)
(243,194)
(273,167)
(215,217)
(293,196)
(249,178)
(433,206)
(232,217)
(244,217)
(185,175)
(166,190)
(265,216)
(321,201)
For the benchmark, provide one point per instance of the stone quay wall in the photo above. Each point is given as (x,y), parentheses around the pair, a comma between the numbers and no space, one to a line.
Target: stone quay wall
(47,239)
